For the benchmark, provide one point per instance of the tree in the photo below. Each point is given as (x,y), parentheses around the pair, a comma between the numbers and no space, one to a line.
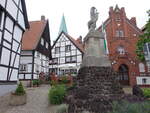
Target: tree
(144,38)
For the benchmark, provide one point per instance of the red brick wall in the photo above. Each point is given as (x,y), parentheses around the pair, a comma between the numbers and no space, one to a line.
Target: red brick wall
(129,40)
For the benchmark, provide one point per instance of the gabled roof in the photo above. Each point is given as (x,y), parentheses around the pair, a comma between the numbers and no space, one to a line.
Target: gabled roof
(32,36)
(75,42)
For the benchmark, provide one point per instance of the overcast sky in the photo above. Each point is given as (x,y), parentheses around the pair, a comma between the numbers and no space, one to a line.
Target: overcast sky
(77,13)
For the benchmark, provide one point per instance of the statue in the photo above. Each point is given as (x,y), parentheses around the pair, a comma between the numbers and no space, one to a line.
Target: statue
(94,18)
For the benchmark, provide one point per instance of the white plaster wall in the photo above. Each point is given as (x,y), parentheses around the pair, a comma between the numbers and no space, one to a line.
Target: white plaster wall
(16,1)
(139,80)
(79,58)
(15,45)
(5,56)
(7,36)
(73,52)
(12,59)
(7,44)
(11,8)
(25,60)
(3,73)
(17,61)
(17,33)
(20,6)
(62,54)
(2,21)
(14,75)
(21,76)
(28,76)
(2,2)
(9,24)
(21,20)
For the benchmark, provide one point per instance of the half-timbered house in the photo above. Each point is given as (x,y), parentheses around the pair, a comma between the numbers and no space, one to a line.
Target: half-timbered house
(36,50)
(13,22)
(67,54)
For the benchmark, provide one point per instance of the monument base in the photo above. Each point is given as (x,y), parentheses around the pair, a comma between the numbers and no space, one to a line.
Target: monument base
(96,88)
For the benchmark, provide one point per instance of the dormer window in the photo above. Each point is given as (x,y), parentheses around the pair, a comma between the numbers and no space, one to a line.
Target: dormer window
(119,33)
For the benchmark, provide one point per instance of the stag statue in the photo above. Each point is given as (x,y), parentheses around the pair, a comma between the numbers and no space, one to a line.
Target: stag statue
(94,18)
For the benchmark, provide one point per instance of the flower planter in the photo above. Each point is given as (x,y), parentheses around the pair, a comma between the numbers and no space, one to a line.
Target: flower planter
(16,100)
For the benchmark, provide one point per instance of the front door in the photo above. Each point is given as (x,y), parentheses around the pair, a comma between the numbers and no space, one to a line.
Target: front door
(124,74)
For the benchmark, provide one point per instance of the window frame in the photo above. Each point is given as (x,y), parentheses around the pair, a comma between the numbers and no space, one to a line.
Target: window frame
(67,48)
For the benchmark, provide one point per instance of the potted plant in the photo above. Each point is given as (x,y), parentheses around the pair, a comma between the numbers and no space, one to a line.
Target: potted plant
(19,97)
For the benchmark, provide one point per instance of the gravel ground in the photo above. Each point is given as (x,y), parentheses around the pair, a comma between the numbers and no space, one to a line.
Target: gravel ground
(37,102)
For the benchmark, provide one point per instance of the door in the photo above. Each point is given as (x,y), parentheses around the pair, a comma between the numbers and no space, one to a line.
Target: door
(124,74)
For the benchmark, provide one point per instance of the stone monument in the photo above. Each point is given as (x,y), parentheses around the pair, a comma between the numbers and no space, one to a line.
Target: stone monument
(96,83)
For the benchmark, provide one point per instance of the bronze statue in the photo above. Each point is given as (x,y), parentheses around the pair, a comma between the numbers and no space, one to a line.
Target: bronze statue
(94,18)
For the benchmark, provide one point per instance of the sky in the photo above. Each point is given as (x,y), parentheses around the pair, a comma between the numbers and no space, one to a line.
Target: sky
(77,13)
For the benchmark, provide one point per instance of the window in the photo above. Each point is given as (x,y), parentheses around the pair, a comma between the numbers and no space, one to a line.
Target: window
(37,68)
(119,33)
(42,41)
(146,48)
(121,50)
(141,67)
(68,48)
(68,59)
(144,81)
(55,60)
(23,67)
(71,59)
(57,50)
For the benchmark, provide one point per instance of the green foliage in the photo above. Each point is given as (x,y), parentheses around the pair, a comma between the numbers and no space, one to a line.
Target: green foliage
(140,45)
(145,38)
(56,94)
(20,89)
(64,80)
(146,92)
(63,108)
(36,82)
(126,107)
(53,83)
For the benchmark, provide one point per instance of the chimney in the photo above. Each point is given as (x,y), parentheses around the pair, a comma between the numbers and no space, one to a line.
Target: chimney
(79,40)
(133,20)
(43,17)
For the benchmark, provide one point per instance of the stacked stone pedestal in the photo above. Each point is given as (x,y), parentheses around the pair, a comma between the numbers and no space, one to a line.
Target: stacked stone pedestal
(96,88)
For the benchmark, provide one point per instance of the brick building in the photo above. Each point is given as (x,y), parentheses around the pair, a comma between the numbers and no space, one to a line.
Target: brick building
(122,35)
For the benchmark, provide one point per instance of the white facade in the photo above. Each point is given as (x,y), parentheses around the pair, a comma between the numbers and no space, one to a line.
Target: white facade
(12,26)
(67,57)
(32,64)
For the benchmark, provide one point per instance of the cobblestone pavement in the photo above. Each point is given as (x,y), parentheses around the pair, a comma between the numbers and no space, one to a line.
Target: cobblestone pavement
(37,102)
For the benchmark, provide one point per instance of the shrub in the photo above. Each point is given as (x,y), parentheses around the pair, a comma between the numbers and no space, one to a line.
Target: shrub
(36,82)
(20,89)
(64,80)
(71,87)
(63,108)
(57,94)
(146,92)
(53,83)
(126,107)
